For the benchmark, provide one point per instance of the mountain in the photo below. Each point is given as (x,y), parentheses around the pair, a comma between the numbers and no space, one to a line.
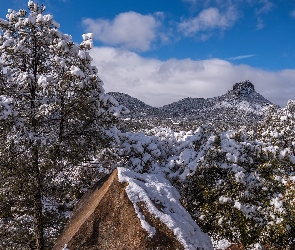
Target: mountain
(135,106)
(242,104)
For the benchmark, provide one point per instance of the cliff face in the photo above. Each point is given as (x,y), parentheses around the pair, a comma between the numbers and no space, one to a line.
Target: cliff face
(107,217)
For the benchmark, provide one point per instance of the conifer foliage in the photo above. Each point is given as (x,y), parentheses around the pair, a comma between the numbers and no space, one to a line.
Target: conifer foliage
(53,113)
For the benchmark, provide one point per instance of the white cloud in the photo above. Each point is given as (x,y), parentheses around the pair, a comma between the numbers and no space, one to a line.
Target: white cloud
(266,6)
(240,57)
(292,13)
(130,30)
(161,82)
(209,19)
(260,8)
(260,24)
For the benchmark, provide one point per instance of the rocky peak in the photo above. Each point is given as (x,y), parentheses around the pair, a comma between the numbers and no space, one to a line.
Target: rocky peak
(244,88)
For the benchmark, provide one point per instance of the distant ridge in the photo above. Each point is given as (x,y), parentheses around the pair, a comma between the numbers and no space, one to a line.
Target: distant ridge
(134,105)
(240,104)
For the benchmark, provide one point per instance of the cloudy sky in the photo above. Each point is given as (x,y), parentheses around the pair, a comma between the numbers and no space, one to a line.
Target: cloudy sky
(161,51)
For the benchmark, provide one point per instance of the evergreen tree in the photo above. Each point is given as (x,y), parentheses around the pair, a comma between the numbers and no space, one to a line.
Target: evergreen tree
(53,116)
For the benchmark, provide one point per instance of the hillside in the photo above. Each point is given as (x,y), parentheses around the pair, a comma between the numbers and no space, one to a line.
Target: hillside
(238,184)
(136,107)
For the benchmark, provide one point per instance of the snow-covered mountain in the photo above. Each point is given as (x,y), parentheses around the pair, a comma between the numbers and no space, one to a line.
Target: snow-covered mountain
(239,105)
(136,107)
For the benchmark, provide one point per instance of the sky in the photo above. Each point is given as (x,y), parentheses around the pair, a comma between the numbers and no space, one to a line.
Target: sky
(161,51)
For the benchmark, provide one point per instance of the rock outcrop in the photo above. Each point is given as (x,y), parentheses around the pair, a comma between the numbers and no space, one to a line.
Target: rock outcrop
(244,88)
(128,210)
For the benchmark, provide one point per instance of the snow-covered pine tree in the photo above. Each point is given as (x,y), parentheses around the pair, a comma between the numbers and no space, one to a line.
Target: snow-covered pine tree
(53,113)
(242,186)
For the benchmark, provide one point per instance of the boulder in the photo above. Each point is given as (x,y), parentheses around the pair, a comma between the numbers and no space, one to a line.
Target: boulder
(127,210)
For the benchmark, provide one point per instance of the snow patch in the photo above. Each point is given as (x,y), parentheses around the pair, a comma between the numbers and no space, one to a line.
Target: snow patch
(76,71)
(154,189)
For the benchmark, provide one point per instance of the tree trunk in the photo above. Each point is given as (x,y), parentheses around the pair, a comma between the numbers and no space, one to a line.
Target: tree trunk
(37,180)
(38,217)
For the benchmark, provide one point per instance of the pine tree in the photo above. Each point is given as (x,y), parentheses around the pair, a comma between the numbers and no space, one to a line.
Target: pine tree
(53,116)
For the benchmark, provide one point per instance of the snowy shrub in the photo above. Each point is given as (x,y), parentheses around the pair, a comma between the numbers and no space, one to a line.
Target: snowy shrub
(243,189)
(236,184)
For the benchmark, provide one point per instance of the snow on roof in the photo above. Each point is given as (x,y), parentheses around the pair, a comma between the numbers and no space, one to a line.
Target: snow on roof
(156,189)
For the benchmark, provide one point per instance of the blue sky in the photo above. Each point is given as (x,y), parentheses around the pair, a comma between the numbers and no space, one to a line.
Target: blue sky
(162,51)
